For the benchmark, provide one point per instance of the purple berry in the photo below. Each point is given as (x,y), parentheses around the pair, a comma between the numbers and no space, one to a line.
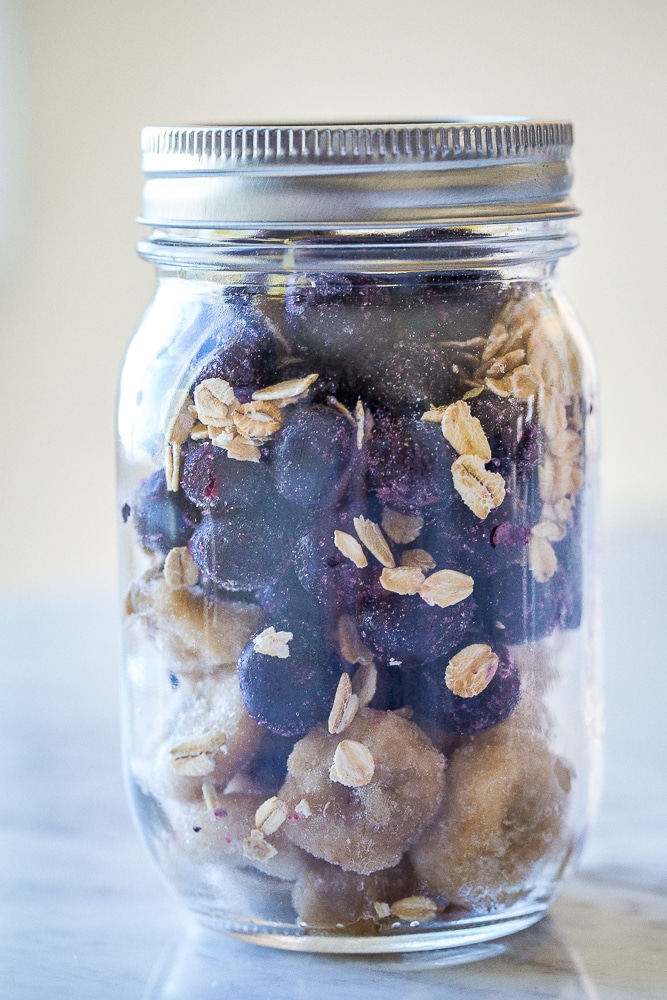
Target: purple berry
(245,355)
(163,519)
(430,696)
(334,318)
(310,455)
(515,609)
(245,551)
(459,540)
(332,579)
(515,442)
(405,631)
(215,482)
(269,765)
(286,598)
(409,464)
(289,696)
(406,380)
(392,689)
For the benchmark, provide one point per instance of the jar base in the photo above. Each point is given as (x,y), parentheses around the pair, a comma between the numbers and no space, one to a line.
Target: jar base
(462,935)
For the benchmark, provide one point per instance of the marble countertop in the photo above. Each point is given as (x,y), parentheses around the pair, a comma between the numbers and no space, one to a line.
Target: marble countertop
(84,914)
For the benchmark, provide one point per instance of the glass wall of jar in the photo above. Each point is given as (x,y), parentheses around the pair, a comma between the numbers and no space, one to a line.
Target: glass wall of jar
(356,496)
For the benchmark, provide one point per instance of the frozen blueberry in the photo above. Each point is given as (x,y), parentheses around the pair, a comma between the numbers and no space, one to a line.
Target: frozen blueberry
(310,455)
(335,318)
(459,540)
(409,464)
(334,581)
(286,598)
(289,696)
(163,519)
(245,551)
(408,378)
(245,355)
(405,631)
(430,696)
(513,438)
(464,302)
(514,608)
(215,482)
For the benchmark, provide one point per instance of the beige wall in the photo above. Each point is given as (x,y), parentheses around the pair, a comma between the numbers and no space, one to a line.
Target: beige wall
(85,76)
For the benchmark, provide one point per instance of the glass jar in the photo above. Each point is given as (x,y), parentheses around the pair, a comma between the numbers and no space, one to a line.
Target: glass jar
(357,469)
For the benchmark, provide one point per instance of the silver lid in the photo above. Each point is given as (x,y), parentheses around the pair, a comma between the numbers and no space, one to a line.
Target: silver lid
(356,176)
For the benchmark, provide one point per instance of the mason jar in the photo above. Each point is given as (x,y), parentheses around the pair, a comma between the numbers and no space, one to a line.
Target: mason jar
(357,474)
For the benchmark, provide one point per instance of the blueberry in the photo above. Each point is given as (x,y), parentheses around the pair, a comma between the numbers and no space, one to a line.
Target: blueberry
(245,354)
(431,698)
(405,631)
(286,598)
(163,519)
(215,482)
(514,440)
(459,540)
(289,696)
(245,551)
(464,302)
(515,609)
(335,317)
(332,579)
(409,464)
(310,455)
(410,377)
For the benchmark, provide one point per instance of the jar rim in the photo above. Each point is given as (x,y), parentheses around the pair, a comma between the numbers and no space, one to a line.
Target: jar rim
(457,172)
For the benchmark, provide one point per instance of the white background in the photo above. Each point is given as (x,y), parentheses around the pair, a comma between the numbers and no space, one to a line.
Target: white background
(79,79)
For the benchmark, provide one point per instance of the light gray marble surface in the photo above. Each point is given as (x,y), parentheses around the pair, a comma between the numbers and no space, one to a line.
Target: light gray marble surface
(85,915)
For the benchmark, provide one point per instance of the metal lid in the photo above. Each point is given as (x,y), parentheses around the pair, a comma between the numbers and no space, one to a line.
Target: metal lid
(356,176)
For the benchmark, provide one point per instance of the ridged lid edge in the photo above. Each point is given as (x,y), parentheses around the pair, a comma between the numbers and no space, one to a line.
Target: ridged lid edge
(299,147)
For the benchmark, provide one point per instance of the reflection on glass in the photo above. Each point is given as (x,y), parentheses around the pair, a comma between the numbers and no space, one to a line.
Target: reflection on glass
(538,963)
